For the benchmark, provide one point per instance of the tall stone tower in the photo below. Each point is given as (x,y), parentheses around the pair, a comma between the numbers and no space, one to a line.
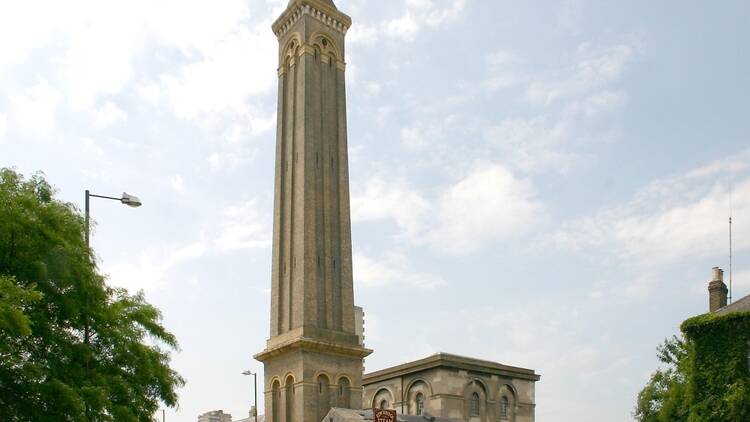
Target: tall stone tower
(313,359)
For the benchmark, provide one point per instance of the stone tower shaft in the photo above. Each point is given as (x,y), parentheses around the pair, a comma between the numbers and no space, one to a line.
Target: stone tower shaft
(313,359)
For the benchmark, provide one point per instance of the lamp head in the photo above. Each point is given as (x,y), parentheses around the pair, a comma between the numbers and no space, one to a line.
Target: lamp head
(130,200)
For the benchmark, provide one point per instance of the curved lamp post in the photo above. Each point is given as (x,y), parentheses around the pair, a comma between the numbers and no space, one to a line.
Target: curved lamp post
(126,199)
(255,390)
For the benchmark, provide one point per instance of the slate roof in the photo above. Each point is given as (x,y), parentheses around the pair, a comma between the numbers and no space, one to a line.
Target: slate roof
(349,415)
(741,305)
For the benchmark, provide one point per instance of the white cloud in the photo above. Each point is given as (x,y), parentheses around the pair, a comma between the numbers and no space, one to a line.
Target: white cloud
(177,183)
(417,14)
(488,204)
(373,89)
(246,129)
(392,270)
(149,270)
(413,138)
(547,141)
(594,68)
(101,41)
(23,28)
(194,25)
(35,108)
(533,144)
(3,126)
(108,114)
(229,160)
(245,227)
(504,70)
(381,200)
(225,76)
(98,59)
(678,217)
(424,135)
(91,144)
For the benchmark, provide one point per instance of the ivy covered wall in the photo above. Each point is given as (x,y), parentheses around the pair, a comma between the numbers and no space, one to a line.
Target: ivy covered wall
(718,367)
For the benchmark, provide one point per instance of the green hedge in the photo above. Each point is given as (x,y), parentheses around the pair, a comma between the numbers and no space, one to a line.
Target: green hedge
(719,376)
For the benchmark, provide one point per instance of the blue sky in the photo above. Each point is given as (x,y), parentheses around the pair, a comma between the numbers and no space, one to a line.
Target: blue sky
(545,184)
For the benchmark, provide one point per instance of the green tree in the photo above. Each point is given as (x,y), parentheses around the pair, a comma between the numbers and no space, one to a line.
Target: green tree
(71,348)
(664,396)
(705,375)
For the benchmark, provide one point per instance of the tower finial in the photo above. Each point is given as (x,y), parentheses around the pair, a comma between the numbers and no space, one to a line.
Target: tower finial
(326,2)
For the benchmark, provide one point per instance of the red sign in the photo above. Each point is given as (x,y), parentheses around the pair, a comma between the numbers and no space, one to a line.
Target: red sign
(383,415)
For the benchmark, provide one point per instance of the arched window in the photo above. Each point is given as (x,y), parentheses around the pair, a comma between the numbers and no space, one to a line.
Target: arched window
(474,410)
(324,403)
(383,404)
(420,403)
(504,408)
(276,399)
(289,398)
(344,395)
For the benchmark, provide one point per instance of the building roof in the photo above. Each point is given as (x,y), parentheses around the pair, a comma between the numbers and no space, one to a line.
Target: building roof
(350,415)
(451,361)
(741,305)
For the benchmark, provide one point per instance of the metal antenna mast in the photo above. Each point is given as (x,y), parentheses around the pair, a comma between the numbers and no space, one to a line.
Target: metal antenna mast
(730,242)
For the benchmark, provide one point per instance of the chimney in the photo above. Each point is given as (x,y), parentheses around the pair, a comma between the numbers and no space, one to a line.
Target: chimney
(717,291)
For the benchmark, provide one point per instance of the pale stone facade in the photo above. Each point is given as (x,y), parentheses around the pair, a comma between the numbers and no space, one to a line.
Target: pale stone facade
(313,358)
(457,387)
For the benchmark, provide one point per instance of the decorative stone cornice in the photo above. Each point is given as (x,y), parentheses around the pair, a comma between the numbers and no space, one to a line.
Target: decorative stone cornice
(313,345)
(316,9)
(450,361)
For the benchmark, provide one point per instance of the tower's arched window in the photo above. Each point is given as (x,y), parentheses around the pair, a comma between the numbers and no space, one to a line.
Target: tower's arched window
(474,410)
(324,404)
(504,408)
(383,404)
(289,398)
(344,394)
(275,399)
(420,403)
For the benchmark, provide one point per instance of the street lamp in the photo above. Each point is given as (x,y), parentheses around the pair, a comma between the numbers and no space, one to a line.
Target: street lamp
(255,390)
(126,199)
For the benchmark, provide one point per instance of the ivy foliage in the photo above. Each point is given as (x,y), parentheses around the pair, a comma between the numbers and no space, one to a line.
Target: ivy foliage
(705,377)
(71,348)
(720,379)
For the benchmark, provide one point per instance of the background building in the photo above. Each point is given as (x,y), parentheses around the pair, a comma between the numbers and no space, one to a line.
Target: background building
(451,386)
(215,416)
